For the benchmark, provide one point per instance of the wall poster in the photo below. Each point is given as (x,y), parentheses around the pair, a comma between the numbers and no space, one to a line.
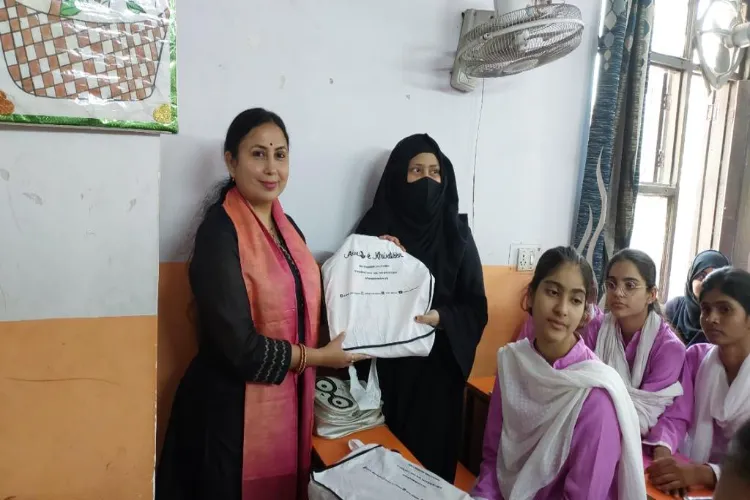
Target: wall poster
(90,63)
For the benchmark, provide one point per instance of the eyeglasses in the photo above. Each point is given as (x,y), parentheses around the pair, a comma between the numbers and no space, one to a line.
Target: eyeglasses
(627,289)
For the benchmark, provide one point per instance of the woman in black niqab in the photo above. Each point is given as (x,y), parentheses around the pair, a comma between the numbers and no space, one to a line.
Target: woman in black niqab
(684,313)
(417,204)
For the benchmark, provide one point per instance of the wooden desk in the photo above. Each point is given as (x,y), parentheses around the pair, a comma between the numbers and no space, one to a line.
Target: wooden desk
(478,393)
(654,494)
(330,451)
(482,386)
(464,479)
(327,452)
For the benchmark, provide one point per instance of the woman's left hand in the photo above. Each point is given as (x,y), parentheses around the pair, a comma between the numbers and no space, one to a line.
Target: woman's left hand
(394,240)
(432,318)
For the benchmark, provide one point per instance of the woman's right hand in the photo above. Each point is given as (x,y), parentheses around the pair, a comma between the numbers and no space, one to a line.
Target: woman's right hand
(334,356)
(393,240)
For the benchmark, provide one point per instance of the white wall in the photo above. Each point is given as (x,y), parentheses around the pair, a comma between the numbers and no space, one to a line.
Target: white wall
(353,78)
(350,79)
(78,224)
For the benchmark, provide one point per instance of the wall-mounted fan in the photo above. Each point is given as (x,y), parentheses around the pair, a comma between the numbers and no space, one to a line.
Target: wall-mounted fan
(720,37)
(517,36)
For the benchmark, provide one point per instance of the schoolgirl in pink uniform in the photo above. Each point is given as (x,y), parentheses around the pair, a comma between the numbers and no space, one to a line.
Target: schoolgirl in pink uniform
(634,339)
(560,424)
(716,378)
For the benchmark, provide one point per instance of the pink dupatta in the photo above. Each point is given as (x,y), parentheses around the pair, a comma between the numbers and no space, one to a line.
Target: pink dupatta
(278,419)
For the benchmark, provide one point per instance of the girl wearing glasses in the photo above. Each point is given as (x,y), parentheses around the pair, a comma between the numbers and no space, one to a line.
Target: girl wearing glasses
(716,378)
(640,345)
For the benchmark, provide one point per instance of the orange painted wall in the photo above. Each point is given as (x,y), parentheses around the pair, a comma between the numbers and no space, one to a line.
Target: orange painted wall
(177,340)
(177,344)
(504,287)
(77,408)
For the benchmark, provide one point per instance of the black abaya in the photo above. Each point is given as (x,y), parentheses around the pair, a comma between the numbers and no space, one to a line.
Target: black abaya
(423,397)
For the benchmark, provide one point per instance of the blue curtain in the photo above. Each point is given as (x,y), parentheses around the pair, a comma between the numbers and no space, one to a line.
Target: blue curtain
(606,207)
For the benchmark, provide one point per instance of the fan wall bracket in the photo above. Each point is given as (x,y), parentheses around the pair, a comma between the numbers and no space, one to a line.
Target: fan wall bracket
(471,19)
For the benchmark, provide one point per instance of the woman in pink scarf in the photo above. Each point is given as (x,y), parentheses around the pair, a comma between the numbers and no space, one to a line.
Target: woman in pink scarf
(241,423)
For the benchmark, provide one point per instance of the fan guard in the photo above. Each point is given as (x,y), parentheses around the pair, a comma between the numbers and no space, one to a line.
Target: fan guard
(521,40)
(719,39)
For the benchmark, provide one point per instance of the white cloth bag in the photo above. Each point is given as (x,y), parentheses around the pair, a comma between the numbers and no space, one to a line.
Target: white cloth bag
(373,473)
(373,290)
(337,413)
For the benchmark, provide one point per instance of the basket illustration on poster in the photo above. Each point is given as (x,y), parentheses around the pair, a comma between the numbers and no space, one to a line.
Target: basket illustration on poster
(91,63)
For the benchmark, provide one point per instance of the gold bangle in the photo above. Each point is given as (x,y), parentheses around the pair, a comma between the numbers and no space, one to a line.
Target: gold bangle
(303,359)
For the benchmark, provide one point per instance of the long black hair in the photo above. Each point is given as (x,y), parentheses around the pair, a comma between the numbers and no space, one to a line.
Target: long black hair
(732,282)
(551,260)
(243,124)
(646,268)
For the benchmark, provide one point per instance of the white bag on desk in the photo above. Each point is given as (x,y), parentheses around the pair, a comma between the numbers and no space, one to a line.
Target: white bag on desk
(337,414)
(373,290)
(373,473)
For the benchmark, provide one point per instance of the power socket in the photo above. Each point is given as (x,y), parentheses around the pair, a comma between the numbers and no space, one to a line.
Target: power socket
(525,256)
(526,259)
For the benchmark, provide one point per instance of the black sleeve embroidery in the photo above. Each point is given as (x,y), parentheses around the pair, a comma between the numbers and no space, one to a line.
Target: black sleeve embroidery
(223,307)
(275,363)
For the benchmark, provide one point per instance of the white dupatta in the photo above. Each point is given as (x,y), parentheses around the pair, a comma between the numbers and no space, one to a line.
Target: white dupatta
(717,401)
(610,349)
(541,406)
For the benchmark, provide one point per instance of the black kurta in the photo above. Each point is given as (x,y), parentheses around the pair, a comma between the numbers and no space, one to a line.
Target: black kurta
(202,455)
(423,397)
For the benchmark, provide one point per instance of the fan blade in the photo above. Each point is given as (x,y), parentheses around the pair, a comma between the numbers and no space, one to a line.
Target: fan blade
(723,59)
(718,18)
(741,35)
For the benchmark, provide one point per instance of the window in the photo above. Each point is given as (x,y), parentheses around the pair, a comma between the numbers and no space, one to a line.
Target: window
(687,132)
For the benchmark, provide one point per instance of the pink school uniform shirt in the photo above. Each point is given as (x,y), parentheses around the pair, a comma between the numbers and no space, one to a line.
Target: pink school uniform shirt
(590,470)
(684,407)
(663,368)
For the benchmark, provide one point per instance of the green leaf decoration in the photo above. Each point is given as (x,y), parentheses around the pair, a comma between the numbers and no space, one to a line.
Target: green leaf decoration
(68,8)
(135,7)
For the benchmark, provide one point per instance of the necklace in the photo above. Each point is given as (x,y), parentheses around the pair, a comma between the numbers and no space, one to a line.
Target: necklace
(274,234)
(270,227)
